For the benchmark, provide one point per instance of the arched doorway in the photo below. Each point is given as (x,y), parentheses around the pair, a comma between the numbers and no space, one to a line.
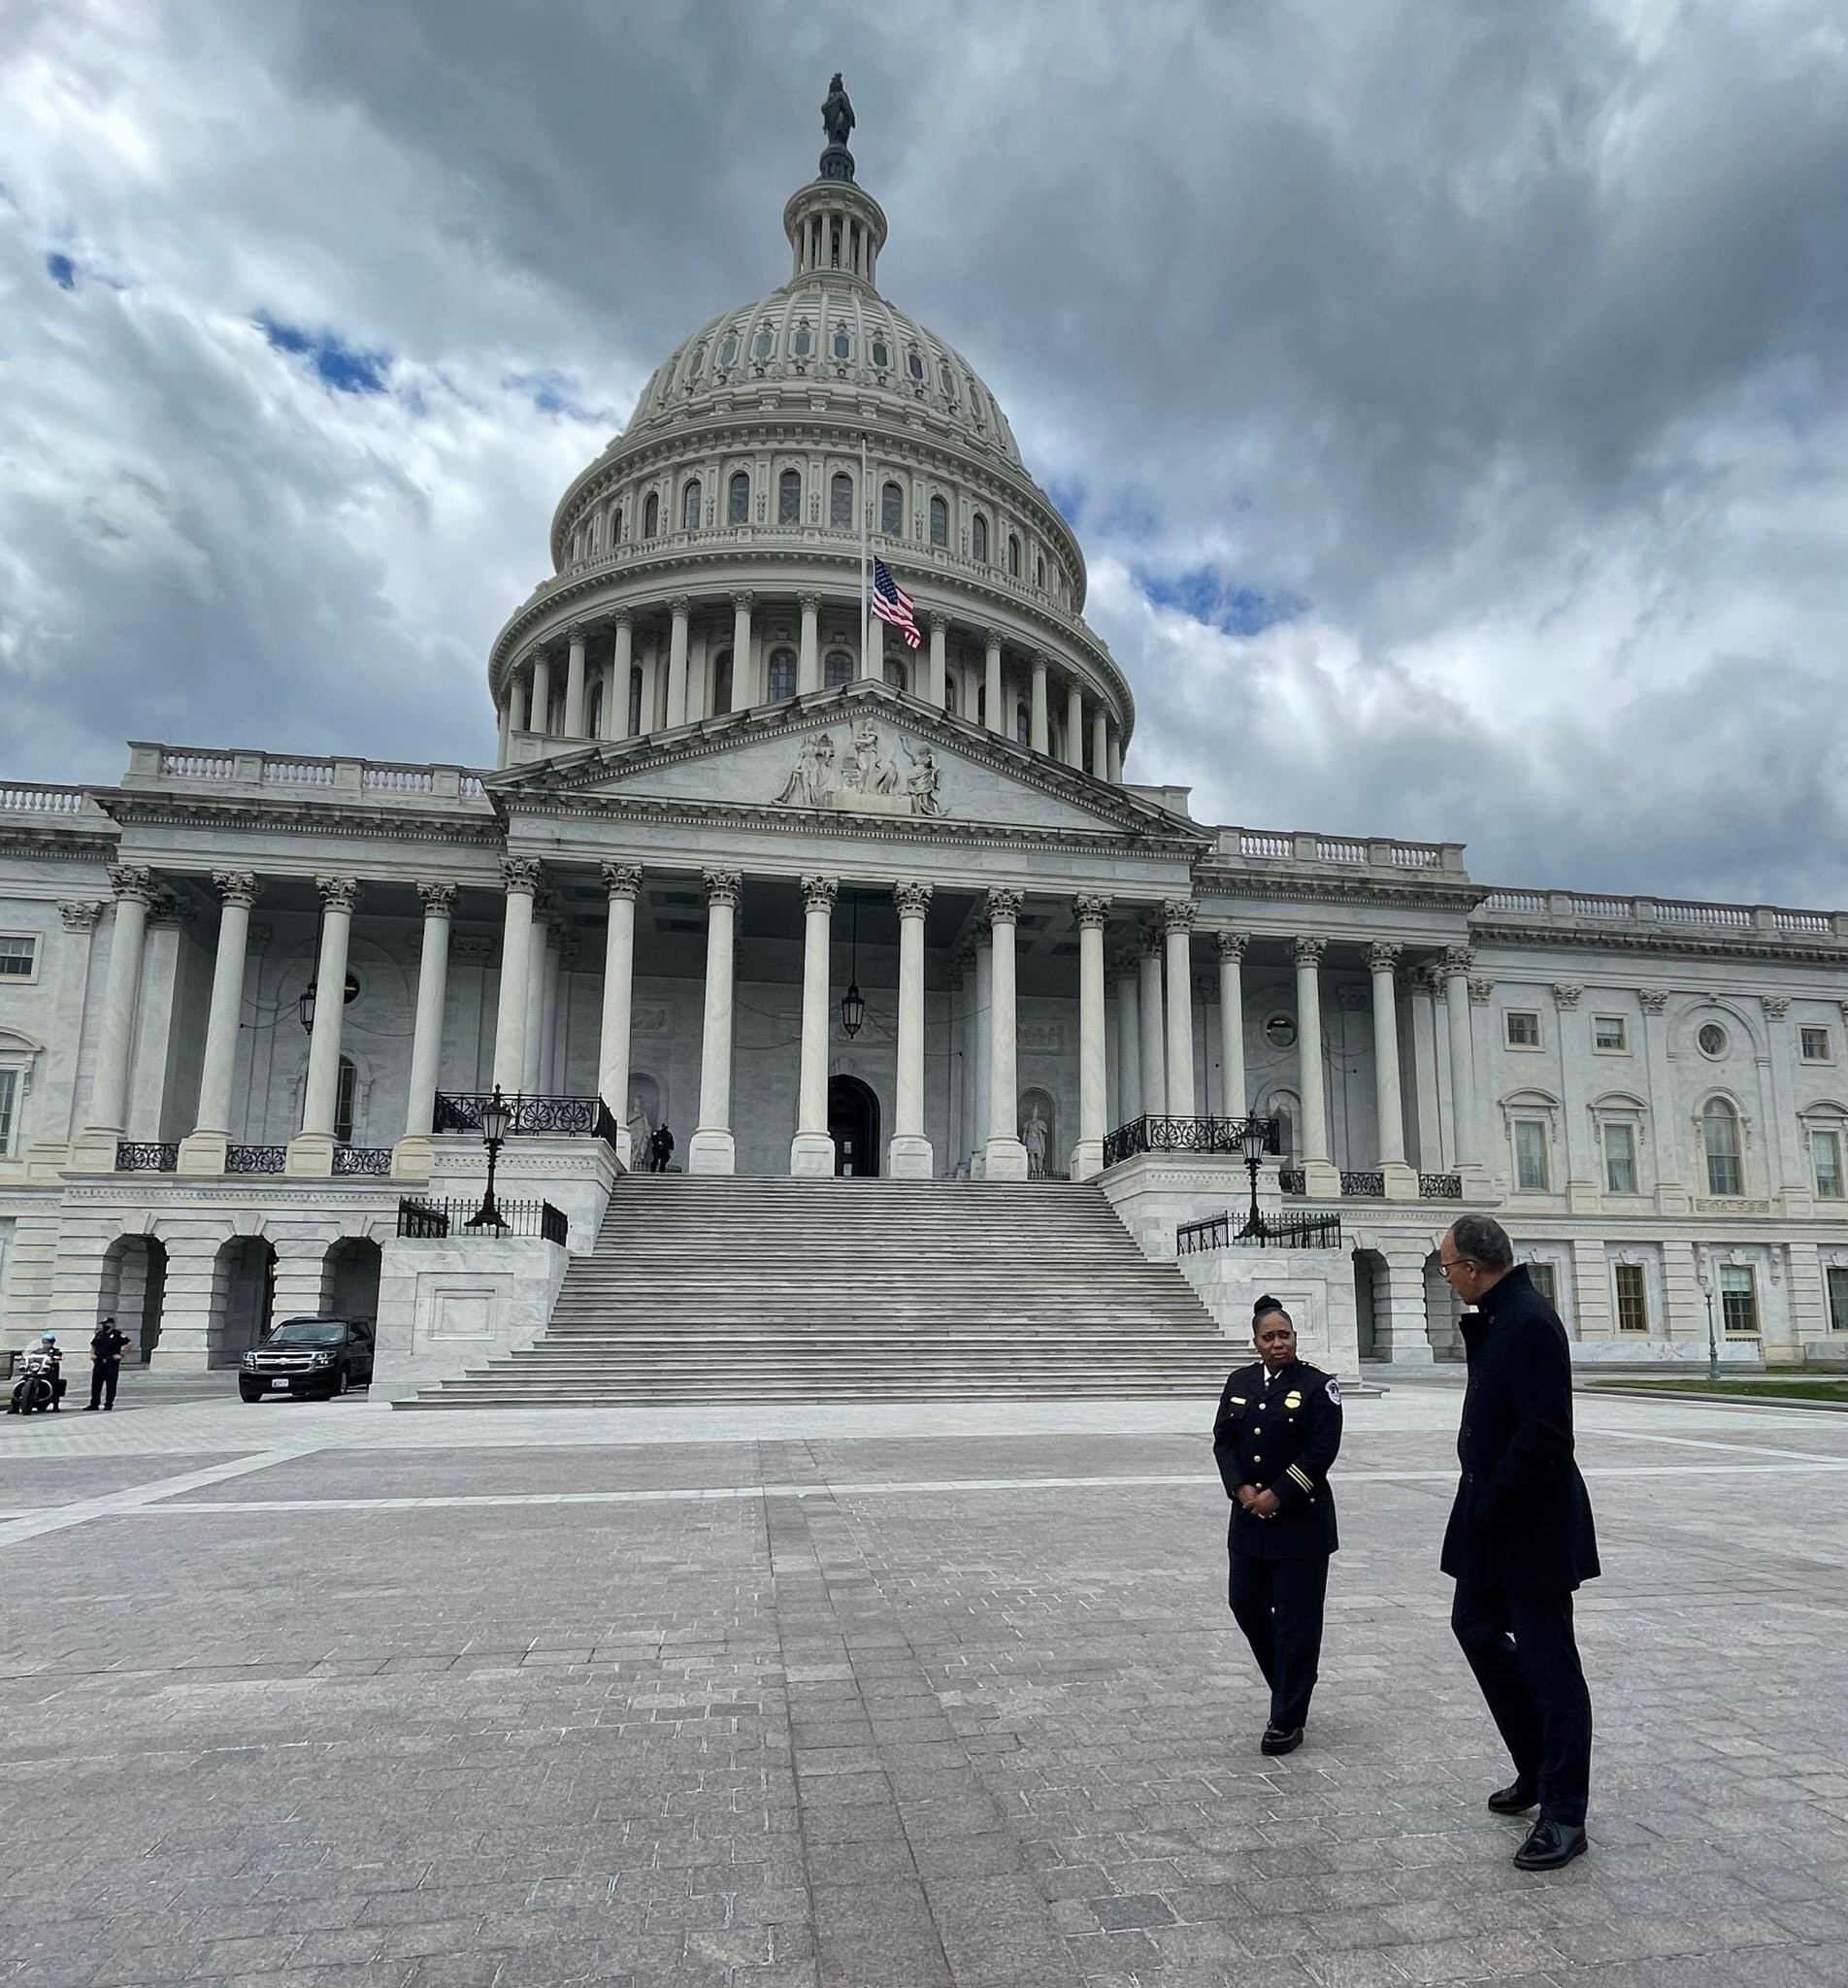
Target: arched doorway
(853,1124)
(351,1279)
(243,1294)
(134,1289)
(1369,1301)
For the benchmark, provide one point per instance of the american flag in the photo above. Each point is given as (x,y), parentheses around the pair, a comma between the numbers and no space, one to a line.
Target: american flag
(891,603)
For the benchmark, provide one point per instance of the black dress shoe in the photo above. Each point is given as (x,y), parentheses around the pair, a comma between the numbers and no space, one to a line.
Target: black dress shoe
(1516,1798)
(1278,1740)
(1550,1845)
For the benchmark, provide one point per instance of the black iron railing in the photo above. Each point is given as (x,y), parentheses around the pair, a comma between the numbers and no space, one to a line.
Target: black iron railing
(431,1221)
(1162,1135)
(147,1156)
(255,1159)
(1364,1186)
(1441,1187)
(362,1159)
(1292,1181)
(1272,1231)
(529,1117)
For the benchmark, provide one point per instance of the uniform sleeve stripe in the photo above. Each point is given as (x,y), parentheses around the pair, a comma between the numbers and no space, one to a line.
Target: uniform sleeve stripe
(1302,1477)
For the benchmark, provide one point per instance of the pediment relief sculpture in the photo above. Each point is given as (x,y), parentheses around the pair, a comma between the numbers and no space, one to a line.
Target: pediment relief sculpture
(856,778)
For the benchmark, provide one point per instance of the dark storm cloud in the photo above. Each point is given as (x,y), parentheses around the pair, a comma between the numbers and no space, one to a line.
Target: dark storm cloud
(1450,397)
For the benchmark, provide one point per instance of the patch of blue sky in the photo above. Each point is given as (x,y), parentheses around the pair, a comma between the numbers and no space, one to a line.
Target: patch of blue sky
(552,393)
(1068,499)
(1126,515)
(1205,594)
(346,368)
(61,270)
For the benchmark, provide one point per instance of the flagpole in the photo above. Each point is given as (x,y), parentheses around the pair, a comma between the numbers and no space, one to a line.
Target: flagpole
(866,661)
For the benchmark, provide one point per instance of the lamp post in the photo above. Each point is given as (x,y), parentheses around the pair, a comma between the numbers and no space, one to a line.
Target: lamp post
(1713,1337)
(494,1122)
(1254,1140)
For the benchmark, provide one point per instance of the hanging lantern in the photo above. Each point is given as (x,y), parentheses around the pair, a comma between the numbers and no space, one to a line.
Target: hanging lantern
(305,1007)
(853,1002)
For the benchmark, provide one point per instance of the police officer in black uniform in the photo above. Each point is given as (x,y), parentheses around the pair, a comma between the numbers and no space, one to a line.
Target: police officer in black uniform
(107,1344)
(1275,1436)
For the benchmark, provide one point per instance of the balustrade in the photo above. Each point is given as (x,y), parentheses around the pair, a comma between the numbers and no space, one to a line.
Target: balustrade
(147,1156)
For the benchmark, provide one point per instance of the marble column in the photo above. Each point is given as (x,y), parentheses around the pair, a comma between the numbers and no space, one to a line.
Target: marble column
(1074,727)
(962,1137)
(1231,1024)
(1087,1155)
(1432,1155)
(1116,757)
(934,684)
(712,1148)
(1457,961)
(1320,1173)
(311,1151)
(134,889)
(538,718)
(575,727)
(992,714)
(809,651)
(1389,1106)
(1154,1054)
(616,704)
(537,971)
(412,1155)
(681,607)
(622,885)
(1039,730)
(503,730)
(1129,1041)
(1177,936)
(515,703)
(203,1150)
(520,878)
(984,1024)
(1005,1158)
(1099,743)
(745,689)
(811,1150)
(908,1154)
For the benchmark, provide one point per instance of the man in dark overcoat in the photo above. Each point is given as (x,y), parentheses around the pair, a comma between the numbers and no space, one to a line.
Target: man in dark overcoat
(1520,1539)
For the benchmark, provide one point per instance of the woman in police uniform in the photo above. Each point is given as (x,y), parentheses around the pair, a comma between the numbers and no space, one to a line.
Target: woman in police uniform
(1276,1434)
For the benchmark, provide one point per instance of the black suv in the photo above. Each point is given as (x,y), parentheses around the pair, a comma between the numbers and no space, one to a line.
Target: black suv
(307,1356)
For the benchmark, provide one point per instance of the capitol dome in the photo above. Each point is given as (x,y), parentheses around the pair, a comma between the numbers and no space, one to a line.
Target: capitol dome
(709,559)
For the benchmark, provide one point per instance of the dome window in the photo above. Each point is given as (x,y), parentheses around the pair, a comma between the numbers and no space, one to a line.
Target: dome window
(840,500)
(737,499)
(892,511)
(766,342)
(838,671)
(1039,574)
(1023,725)
(948,382)
(939,522)
(914,364)
(789,497)
(894,673)
(804,343)
(728,350)
(651,515)
(979,539)
(976,401)
(782,684)
(881,354)
(843,343)
(690,506)
(634,701)
(616,526)
(1014,556)
(952,698)
(697,364)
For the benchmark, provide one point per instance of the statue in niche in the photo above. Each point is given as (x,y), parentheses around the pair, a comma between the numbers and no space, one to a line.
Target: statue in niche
(1034,1136)
(837,114)
(923,781)
(640,1127)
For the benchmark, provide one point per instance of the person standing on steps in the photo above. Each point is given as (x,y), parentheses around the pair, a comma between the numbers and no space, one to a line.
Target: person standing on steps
(1277,1435)
(1521,1538)
(660,1148)
(106,1346)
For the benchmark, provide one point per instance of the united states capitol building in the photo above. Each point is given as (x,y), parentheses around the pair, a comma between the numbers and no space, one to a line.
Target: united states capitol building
(853,919)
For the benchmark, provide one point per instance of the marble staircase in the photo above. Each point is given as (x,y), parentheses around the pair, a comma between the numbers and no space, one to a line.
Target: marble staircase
(772,1289)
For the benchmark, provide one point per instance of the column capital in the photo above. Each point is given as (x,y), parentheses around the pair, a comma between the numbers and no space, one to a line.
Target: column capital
(621,880)
(338,893)
(1431,977)
(1310,951)
(130,881)
(1040,663)
(1481,992)
(81,913)
(574,632)
(992,637)
(537,655)
(914,900)
(743,597)
(1567,993)
(1655,1000)
(236,886)
(819,893)
(1458,960)
(1092,909)
(545,909)
(680,606)
(1178,915)
(939,622)
(623,617)
(1232,945)
(519,873)
(1384,955)
(1002,907)
(1776,1005)
(438,899)
(808,602)
(723,888)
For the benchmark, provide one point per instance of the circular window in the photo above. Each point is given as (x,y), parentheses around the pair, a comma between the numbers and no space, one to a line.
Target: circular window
(1279,1031)
(353,990)
(1711,1039)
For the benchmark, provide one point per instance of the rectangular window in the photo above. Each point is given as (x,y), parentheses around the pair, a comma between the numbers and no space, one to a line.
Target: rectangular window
(1609,1032)
(1738,1298)
(1632,1297)
(1545,1282)
(1620,1159)
(18,954)
(1524,1028)
(1530,1156)
(9,1110)
(1815,1041)
(1837,1277)
(1825,1153)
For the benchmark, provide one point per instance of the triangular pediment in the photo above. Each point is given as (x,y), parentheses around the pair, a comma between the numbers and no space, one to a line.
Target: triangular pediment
(865,751)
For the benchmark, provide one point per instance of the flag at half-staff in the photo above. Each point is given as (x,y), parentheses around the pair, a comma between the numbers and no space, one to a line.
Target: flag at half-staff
(891,603)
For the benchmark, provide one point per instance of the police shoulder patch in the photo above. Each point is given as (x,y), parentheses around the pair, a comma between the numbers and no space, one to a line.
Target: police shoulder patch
(1335,1392)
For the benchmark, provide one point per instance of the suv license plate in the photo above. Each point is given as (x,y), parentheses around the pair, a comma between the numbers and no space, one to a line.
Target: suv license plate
(278,1381)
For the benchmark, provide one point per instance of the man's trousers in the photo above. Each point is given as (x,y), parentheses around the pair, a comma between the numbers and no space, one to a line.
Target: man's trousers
(1521,1651)
(1279,1605)
(104,1375)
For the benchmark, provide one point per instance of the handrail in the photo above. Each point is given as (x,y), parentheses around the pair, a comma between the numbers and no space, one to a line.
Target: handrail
(424,1220)
(1262,1231)
(1151,1134)
(533,1118)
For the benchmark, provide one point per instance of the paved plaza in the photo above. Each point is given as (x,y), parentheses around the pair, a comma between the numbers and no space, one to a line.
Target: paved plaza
(318,1696)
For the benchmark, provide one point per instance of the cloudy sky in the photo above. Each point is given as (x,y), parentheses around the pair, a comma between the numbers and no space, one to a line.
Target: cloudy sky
(1452,398)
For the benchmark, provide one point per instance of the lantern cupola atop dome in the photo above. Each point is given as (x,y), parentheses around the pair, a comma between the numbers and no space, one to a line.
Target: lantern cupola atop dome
(834,227)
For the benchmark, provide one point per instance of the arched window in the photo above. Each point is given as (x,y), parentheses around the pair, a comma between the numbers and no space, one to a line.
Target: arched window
(1039,574)
(766,342)
(616,526)
(892,511)
(789,497)
(1013,556)
(840,500)
(738,501)
(896,673)
(782,674)
(881,354)
(651,515)
(843,343)
(728,350)
(951,697)
(1720,1136)
(721,683)
(939,522)
(1023,724)
(690,506)
(837,670)
(979,538)
(344,1093)
(635,702)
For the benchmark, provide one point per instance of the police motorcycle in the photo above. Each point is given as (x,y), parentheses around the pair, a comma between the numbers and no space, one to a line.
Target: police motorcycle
(39,1379)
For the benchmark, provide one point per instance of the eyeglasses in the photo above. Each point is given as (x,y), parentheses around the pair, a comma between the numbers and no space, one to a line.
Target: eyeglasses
(1455,1263)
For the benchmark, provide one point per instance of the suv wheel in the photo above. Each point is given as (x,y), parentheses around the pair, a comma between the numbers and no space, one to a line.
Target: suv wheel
(340,1379)
(250,1391)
